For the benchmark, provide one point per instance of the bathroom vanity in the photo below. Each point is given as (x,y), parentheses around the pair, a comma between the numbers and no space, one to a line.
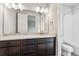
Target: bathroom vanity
(27,32)
(33,45)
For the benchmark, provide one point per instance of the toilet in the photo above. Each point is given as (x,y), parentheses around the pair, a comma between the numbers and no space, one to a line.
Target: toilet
(66,50)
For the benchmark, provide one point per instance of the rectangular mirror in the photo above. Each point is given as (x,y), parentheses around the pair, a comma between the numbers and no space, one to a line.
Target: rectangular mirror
(28,22)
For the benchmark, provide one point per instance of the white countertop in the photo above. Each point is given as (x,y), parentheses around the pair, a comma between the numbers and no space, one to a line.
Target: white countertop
(17,37)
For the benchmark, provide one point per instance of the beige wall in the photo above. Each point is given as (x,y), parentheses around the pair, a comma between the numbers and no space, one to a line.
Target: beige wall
(53,19)
(55,27)
(1,18)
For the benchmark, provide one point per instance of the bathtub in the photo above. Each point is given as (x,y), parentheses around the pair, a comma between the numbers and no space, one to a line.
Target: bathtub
(75,47)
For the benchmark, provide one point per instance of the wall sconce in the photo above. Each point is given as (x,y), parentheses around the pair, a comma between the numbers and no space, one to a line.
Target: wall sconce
(41,10)
(14,5)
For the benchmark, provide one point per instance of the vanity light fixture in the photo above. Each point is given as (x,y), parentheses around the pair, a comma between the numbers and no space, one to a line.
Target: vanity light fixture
(41,10)
(14,6)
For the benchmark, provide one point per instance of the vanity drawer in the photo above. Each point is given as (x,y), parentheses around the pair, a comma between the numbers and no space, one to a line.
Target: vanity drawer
(29,41)
(29,47)
(3,44)
(43,40)
(14,43)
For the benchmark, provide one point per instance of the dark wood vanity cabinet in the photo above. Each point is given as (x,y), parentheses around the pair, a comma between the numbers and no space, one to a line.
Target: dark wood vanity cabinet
(28,47)
(10,48)
(46,47)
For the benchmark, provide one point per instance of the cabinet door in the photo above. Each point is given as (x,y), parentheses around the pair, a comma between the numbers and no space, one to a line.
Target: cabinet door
(3,48)
(3,52)
(50,49)
(14,51)
(46,47)
(41,50)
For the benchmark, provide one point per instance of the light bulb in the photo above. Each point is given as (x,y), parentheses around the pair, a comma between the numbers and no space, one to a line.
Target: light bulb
(21,9)
(37,9)
(20,6)
(42,10)
(7,5)
(46,10)
(13,5)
